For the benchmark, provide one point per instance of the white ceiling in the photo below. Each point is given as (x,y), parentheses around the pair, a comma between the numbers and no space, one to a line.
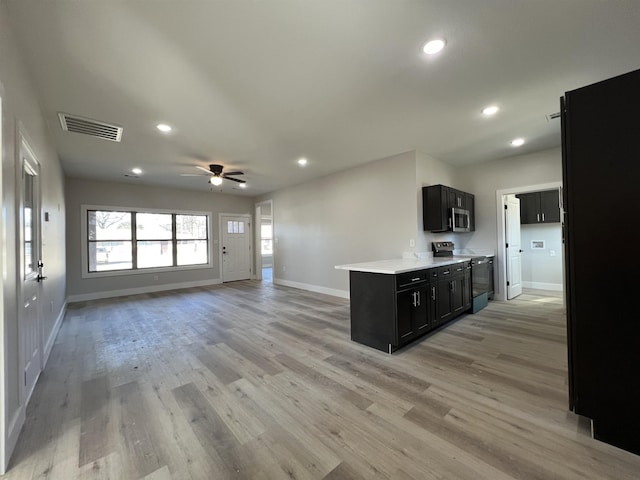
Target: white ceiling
(255,85)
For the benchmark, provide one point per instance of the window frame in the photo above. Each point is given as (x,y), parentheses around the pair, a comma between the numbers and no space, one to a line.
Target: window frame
(134,270)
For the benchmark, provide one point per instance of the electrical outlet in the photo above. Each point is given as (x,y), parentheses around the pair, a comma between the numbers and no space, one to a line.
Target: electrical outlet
(284,269)
(412,243)
(552,253)
(155,277)
(51,306)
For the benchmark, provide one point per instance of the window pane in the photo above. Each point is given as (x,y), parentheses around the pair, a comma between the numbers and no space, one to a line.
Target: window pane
(192,252)
(240,227)
(155,254)
(153,226)
(267,246)
(191,227)
(107,225)
(266,231)
(109,256)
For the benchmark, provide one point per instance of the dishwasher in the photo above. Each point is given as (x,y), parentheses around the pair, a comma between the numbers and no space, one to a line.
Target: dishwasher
(481,282)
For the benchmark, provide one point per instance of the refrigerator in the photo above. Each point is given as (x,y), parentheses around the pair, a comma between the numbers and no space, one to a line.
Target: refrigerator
(601,200)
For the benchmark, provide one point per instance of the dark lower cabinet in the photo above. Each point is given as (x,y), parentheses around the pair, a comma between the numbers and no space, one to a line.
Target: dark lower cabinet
(411,312)
(454,291)
(389,311)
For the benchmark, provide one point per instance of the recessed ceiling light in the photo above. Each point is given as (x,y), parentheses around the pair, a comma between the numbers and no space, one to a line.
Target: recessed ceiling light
(137,171)
(433,46)
(243,185)
(163,127)
(517,142)
(302,162)
(490,110)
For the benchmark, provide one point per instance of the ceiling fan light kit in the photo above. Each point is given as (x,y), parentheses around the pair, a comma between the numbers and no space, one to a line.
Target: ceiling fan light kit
(216,174)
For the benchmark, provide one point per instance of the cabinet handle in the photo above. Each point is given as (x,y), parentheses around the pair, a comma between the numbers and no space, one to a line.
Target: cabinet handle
(433,293)
(415,279)
(446,272)
(418,299)
(452,286)
(543,217)
(414,298)
(537,217)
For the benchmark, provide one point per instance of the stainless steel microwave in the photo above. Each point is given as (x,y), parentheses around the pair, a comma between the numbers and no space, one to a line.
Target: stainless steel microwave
(460,220)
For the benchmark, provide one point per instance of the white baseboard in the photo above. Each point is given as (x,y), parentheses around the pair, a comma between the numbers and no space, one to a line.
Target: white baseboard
(312,288)
(138,290)
(13,431)
(54,333)
(543,286)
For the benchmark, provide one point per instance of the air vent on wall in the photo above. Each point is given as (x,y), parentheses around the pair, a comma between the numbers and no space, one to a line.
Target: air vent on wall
(87,126)
(553,116)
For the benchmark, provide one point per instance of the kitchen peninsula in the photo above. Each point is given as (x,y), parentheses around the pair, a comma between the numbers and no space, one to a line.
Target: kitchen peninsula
(393,302)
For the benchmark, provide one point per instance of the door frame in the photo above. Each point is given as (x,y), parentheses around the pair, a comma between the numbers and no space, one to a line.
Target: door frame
(258,238)
(501,264)
(220,233)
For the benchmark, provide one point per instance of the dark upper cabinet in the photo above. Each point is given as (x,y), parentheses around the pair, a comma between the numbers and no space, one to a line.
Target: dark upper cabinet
(600,152)
(437,202)
(550,206)
(539,207)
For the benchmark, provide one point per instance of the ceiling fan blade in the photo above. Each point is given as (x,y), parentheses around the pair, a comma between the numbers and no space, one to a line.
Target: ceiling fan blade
(233,173)
(204,170)
(235,180)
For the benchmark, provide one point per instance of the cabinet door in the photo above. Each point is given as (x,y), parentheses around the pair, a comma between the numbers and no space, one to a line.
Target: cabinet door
(405,307)
(469,204)
(549,206)
(467,293)
(435,208)
(432,304)
(529,207)
(443,300)
(421,311)
(457,294)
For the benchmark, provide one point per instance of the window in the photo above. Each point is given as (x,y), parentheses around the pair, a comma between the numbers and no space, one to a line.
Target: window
(135,240)
(266,239)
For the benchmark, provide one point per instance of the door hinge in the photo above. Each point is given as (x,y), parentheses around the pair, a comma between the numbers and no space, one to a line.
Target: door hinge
(505,207)
(507,245)
(507,284)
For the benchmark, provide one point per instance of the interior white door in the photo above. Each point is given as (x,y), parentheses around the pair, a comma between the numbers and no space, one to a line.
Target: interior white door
(236,248)
(30,247)
(514,247)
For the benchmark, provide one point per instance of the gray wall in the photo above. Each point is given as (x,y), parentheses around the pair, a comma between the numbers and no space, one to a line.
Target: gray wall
(542,268)
(365,213)
(19,107)
(90,192)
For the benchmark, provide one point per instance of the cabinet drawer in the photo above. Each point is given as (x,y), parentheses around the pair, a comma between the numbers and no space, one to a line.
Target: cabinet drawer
(411,278)
(432,274)
(458,268)
(445,272)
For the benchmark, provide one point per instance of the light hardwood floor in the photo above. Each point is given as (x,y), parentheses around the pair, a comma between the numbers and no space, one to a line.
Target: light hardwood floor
(255,381)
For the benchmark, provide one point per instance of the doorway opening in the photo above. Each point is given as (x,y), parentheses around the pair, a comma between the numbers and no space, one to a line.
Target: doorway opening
(539,266)
(264,238)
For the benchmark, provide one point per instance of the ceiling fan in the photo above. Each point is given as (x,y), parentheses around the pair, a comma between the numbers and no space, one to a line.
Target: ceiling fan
(216,174)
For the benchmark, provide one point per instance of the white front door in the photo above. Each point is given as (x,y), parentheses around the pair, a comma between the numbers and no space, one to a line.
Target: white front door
(29,235)
(236,247)
(514,248)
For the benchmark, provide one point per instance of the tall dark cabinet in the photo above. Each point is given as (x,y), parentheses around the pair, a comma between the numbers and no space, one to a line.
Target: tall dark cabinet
(601,174)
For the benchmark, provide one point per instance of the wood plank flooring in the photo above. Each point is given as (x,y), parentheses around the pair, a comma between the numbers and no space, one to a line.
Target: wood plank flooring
(254,381)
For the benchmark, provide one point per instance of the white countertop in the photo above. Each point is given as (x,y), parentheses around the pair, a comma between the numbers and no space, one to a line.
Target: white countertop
(401,265)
